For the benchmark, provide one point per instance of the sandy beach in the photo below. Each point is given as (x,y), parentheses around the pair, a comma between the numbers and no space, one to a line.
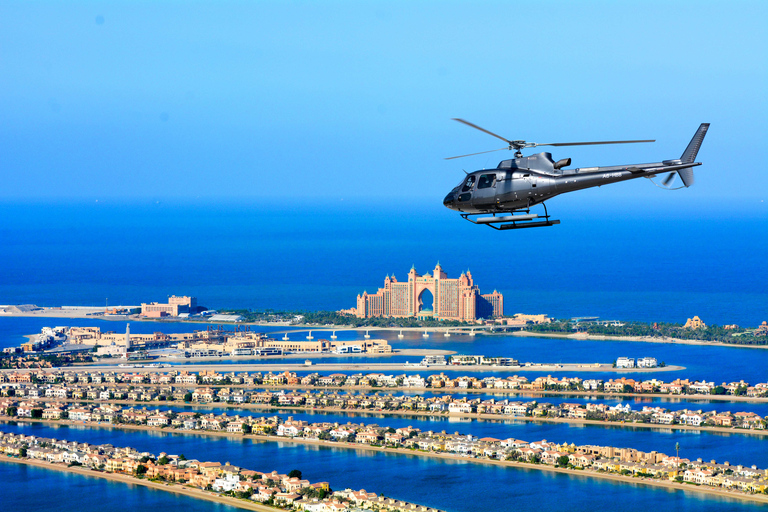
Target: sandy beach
(383,367)
(645,339)
(760,498)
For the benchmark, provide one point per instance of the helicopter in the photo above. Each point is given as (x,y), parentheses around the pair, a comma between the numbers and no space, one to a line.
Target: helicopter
(509,191)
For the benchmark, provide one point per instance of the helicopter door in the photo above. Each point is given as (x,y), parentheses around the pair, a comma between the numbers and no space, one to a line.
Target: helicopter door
(485,191)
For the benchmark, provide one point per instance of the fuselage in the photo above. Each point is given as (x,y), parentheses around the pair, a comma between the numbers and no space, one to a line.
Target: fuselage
(522,182)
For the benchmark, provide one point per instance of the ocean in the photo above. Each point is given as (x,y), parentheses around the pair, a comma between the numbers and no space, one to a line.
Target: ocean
(612,263)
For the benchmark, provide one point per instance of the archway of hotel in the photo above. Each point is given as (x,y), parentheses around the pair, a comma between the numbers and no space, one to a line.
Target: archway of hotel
(426,303)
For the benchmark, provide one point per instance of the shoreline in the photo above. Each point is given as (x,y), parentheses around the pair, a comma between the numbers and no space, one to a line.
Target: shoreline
(49,312)
(288,409)
(356,367)
(191,492)
(417,352)
(643,339)
(417,453)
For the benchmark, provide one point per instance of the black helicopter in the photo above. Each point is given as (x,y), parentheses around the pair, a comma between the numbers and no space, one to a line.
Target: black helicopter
(509,191)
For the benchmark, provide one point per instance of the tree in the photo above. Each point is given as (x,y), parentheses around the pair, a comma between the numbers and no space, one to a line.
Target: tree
(247,429)
(37,413)
(677,450)
(188,397)
(295,473)
(141,469)
(163,460)
(23,451)
(563,461)
(182,457)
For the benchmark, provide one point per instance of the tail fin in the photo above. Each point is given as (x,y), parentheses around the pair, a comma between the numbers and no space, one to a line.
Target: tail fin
(689,155)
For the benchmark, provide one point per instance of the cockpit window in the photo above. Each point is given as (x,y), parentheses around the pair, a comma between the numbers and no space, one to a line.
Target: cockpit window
(486,181)
(468,184)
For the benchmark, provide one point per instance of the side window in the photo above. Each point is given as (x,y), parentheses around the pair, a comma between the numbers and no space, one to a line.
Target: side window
(486,181)
(468,184)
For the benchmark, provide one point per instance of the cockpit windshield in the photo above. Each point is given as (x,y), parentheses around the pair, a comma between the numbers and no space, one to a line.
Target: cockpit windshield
(468,184)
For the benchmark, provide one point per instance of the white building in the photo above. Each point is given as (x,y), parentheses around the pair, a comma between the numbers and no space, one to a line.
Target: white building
(625,362)
(226,483)
(414,381)
(592,384)
(692,419)
(646,362)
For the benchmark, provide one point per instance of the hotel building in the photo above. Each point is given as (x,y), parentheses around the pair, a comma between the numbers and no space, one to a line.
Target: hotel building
(175,306)
(452,299)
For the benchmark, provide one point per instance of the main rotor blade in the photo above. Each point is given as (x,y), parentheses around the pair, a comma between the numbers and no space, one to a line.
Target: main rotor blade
(668,179)
(473,154)
(482,130)
(592,143)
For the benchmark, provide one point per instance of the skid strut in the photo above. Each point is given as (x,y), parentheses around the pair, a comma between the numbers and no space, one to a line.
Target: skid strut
(523,219)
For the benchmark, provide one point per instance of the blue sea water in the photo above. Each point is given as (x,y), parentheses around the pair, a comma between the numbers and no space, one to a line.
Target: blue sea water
(449,485)
(707,445)
(627,264)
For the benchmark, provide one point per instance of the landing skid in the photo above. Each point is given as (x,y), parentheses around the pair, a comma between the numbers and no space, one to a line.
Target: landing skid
(517,219)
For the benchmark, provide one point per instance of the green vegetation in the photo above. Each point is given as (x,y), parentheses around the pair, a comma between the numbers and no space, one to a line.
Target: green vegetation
(334,318)
(35,360)
(311,492)
(716,333)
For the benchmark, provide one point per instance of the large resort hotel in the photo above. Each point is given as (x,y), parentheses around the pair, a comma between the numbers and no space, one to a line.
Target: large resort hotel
(451,299)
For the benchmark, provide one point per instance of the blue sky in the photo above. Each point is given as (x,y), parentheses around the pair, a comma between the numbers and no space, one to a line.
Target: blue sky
(353,100)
